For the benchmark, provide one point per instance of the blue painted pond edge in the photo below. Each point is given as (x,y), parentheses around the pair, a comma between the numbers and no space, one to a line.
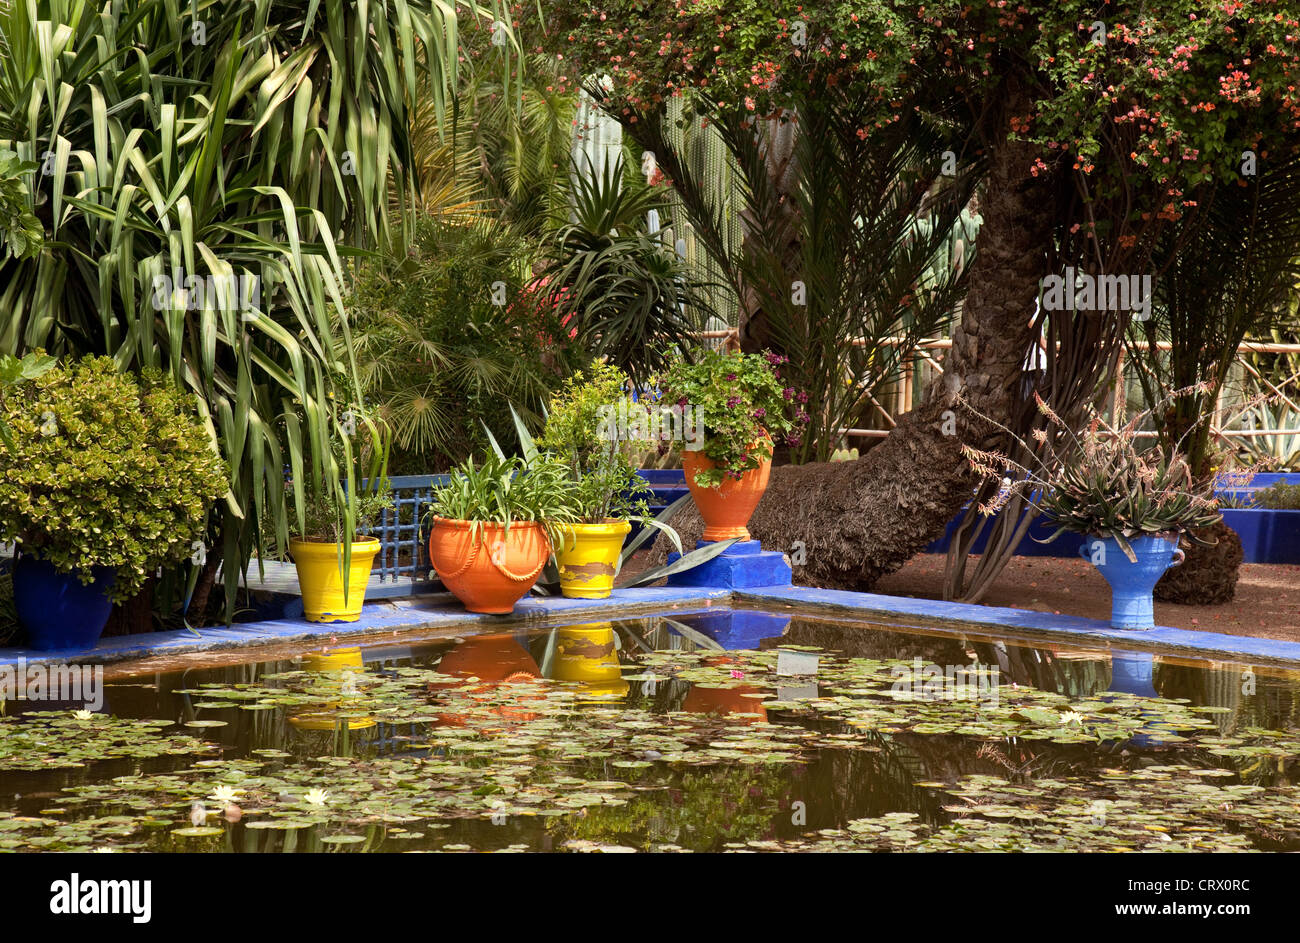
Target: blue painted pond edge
(442,612)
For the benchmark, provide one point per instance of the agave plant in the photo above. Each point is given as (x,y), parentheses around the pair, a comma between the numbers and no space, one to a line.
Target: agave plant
(1101,484)
(1280,450)
(202,169)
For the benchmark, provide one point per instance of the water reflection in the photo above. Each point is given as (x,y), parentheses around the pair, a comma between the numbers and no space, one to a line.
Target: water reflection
(704,808)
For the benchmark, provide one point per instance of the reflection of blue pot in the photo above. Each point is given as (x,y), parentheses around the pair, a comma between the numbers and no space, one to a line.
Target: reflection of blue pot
(1131,583)
(56,608)
(1131,673)
(736,629)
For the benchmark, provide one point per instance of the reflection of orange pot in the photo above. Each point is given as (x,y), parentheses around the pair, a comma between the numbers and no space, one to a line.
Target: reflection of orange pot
(490,658)
(494,660)
(724,700)
(492,572)
(727,508)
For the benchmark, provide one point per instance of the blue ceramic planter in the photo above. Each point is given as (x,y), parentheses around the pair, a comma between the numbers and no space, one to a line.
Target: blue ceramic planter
(1131,583)
(56,608)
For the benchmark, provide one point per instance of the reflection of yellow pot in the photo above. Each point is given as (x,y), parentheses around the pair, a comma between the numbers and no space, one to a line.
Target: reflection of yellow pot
(325,716)
(320,578)
(590,560)
(334,659)
(586,653)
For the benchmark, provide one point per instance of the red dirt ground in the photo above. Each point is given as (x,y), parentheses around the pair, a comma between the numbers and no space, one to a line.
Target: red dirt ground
(1267,603)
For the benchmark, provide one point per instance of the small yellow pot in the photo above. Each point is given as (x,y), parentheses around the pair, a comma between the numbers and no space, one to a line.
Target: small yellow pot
(589,560)
(320,577)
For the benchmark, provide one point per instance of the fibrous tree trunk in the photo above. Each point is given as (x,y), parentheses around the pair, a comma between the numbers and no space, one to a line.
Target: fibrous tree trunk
(858,521)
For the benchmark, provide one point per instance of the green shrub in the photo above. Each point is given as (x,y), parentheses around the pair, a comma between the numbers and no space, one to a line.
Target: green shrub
(1281,496)
(106,471)
(581,433)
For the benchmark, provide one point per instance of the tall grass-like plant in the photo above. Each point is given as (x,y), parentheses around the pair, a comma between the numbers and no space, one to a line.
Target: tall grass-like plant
(628,292)
(180,147)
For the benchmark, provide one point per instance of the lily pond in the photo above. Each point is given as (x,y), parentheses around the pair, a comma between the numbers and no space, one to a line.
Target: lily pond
(722,730)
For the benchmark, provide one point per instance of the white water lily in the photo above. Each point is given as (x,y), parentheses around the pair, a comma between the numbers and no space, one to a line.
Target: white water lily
(1072,717)
(82,715)
(223,795)
(316,797)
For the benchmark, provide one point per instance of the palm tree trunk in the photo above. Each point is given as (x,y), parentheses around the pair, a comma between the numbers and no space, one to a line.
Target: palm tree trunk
(858,521)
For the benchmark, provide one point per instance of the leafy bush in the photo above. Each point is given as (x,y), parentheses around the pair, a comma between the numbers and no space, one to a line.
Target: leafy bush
(581,433)
(503,490)
(745,407)
(105,471)
(21,233)
(1282,496)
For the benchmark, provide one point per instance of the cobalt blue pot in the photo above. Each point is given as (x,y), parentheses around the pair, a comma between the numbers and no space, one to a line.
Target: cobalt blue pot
(56,608)
(1131,583)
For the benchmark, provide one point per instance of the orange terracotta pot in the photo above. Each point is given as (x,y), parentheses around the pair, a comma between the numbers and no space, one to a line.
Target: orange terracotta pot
(727,508)
(489,574)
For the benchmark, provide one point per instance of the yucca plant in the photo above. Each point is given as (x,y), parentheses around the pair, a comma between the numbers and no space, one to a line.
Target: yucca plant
(1101,484)
(628,291)
(202,168)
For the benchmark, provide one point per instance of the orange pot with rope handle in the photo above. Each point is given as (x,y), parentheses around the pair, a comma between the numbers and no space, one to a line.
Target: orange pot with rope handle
(492,571)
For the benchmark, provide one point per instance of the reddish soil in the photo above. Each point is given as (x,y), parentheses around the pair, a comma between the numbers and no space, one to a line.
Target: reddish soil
(1267,603)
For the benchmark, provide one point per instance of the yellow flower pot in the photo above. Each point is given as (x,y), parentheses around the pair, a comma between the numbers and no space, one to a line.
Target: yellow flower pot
(320,577)
(589,560)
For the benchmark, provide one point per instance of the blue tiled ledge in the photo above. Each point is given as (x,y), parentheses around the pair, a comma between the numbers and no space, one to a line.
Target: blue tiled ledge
(443,612)
(1037,624)
(378,618)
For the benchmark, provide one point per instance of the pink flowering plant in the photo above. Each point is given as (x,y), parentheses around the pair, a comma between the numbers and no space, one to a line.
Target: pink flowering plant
(745,405)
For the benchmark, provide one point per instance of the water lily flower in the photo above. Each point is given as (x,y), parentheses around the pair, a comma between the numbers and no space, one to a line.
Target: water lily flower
(1072,717)
(316,797)
(198,814)
(82,715)
(224,795)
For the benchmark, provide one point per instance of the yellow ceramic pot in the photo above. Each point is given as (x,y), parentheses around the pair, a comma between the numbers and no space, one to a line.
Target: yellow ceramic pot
(320,577)
(589,560)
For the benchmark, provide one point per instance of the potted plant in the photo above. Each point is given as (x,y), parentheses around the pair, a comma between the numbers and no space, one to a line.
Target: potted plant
(104,479)
(585,432)
(1131,504)
(319,557)
(493,528)
(744,408)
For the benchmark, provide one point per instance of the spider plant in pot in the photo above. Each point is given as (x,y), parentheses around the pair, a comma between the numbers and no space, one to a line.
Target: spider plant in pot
(334,552)
(1131,504)
(743,407)
(588,432)
(494,524)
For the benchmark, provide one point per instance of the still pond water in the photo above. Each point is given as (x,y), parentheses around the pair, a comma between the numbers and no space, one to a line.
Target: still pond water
(714,731)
